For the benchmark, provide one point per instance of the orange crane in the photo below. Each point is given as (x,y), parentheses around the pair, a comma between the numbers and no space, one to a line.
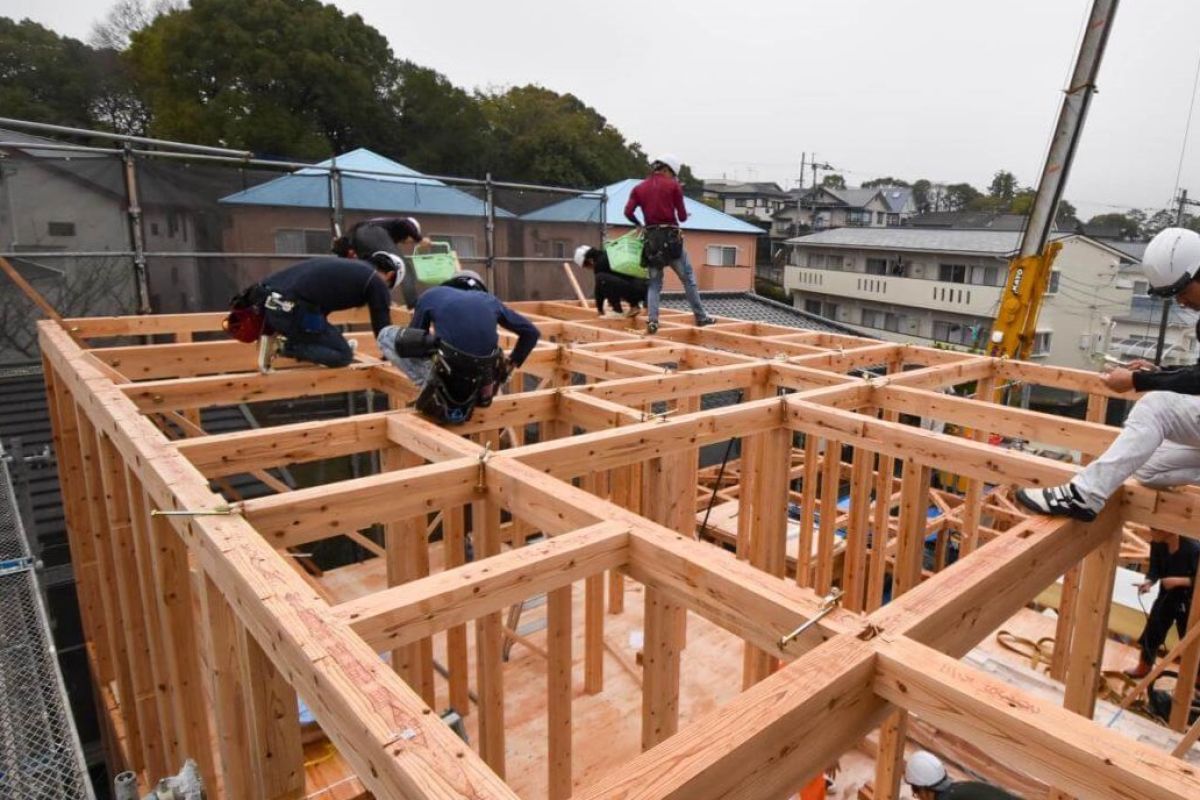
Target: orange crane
(1015,325)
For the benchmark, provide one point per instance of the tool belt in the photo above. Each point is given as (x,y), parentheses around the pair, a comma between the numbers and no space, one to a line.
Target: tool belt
(306,317)
(458,382)
(662,245)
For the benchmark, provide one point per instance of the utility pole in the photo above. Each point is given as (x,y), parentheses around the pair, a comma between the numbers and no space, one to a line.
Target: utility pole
(816,166)
(1166,305)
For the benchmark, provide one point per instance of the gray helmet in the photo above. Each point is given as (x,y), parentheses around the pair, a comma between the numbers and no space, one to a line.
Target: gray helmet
(466,280)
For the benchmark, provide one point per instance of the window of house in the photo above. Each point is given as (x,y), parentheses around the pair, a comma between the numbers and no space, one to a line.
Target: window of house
(877,266)
(812,306)
(893,219)
(1041,343)
(872,318)
(60,228)
(1141,287)
(878,217)
(991,276)
(720,255)
(835,262)
(740,202)
(960,333)
(1053,287)
(829,310)
(154,229)
(891,322)
(464,245)
(302,240)
(816,260)
(952,273)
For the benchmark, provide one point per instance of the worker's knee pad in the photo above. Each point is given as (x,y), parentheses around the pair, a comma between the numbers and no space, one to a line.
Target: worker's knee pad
(406,342)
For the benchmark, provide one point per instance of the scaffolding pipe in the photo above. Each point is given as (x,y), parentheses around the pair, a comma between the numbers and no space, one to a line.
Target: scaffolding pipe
(118,137)
(141,283)
(489,204)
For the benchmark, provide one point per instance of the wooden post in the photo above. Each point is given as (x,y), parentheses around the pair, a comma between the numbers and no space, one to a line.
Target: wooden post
(1189,660)
(831,478)
(914,510)
(854,565)
(489,643)
(276,750)
(225,644)
(1091,617)
(454,543)
(881,524)
(138,635)
(985,390)
(558,700)
(626,493)
(889,761)
(764,509)
(808,504)
(593,608)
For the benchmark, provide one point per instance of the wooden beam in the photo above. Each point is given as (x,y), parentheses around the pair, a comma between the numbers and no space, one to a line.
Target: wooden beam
(1092,605)
(1028,733)
(418,609)
(914,508)
(228,390)
(889,762)
(558,699)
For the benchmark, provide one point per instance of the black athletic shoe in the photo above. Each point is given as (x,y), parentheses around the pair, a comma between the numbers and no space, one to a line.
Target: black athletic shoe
(703,323)
(652,327)
(1057,501)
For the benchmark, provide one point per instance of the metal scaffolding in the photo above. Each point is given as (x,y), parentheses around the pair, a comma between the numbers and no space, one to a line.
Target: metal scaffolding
(40,755)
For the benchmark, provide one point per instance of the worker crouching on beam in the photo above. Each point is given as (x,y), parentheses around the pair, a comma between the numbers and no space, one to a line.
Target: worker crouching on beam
(927,776)
(611,288)
(460,365)
(1159,444)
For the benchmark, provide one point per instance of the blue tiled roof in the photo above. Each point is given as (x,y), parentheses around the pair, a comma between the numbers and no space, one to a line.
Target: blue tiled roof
(586,209)
(402,190)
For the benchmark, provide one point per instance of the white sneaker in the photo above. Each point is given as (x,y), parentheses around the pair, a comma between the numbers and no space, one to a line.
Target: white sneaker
(353,345)
(1056,501)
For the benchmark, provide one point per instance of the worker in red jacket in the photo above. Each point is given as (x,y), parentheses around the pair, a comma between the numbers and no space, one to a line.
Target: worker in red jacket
(660,198)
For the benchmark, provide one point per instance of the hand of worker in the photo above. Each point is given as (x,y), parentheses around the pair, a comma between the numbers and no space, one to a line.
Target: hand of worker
(1119,379)
(1142,364)
(1145,586)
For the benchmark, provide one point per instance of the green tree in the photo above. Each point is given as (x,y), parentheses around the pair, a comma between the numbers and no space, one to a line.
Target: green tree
(833,181)
(959,197)
(888,181)
(922,196)
(441,129)
(1127,226)
(284,77)
(1003,187)
(541,136)
(44,76)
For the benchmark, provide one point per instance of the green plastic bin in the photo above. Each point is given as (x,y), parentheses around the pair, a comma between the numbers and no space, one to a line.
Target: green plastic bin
(437,266)
(625,255)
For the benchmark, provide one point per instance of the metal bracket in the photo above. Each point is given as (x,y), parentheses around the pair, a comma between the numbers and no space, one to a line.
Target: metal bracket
(481,480)
(831,601)
(216,511)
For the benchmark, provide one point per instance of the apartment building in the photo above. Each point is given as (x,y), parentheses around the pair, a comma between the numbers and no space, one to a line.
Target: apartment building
(944,287)
(758,201)
(824,208)
(1134,332)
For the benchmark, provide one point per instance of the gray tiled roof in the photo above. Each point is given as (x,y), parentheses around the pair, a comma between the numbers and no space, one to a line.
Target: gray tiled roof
(995,243)
(756,308)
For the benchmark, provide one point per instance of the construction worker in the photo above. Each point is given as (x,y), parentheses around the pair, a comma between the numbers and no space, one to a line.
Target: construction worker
(1159,444)
(927,776)
(372,235)
(297,301)
(660,198)
(610,286)
(462,366)
(1173,564)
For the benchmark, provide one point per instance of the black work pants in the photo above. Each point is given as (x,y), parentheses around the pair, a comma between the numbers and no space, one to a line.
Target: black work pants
(1170,608)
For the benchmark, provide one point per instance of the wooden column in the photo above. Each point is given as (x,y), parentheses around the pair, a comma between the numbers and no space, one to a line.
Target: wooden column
(889,762)
(139,637)
(910,545)
(1189,660)
(985,390)
(831,478)
(225,634)
(764,510)
(668,499)
(407,548)
(172,576)
(489,643)
(808,504)
(854,564)
(454,534)
(1091,617)
(593,608)
(558,700)
(276,750)
(881,524)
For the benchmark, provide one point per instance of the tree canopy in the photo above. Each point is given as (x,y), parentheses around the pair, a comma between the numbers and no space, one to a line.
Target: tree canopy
(833,181)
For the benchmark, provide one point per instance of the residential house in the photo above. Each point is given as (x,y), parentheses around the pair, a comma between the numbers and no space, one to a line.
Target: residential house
(758,201)
(722,248)
(824,208)
(290,215)
(1134,330)
(944,287)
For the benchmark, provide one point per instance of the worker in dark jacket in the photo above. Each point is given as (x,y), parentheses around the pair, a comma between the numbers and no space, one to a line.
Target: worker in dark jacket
(660,198)
(461,366)
(1173,564)
(298,300)
(927,776)
(1159,444)
(611,287)
(384,234)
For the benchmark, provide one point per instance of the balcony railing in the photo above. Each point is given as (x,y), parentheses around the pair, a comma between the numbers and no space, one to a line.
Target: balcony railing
(959,298)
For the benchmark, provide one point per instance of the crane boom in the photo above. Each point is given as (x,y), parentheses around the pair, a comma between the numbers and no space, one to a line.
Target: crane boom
(1029,273)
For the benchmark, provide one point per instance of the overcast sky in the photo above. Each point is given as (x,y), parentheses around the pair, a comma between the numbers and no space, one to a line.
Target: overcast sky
(948,90)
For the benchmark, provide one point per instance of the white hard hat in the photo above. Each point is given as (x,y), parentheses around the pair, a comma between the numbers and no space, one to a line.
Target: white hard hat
(924,770)
(668,160)
(581,254)
(1171,260)
(415,225)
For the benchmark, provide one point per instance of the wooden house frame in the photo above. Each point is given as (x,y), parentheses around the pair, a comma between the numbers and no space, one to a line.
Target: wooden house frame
(202,630)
